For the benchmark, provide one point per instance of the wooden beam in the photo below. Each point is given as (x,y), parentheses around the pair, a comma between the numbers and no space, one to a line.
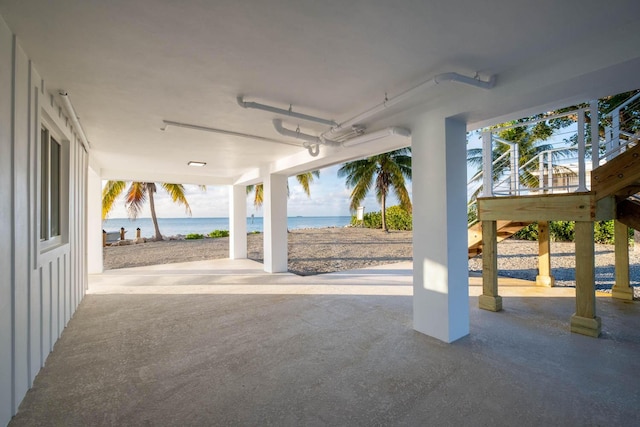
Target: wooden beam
(617,174)
(584,321)
(628,213)
(552,207)
(621,289)
(544,277)
(490,300)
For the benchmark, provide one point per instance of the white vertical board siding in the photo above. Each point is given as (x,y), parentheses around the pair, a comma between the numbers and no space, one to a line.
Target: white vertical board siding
(6,222)
(21,244)
(39,291)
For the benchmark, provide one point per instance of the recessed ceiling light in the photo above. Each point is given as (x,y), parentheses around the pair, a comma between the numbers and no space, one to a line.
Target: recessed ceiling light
(199,164)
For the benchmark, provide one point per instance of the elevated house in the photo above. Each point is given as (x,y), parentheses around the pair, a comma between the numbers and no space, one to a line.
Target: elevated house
(259,91)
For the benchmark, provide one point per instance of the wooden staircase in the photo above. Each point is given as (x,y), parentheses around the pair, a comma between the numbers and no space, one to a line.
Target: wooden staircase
(506,229)
(620,177)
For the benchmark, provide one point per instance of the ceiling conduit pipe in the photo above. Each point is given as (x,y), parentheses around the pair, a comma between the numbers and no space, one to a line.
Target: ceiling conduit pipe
(64,96)
(440,78)
(168,123)
(289,112)
(311,143)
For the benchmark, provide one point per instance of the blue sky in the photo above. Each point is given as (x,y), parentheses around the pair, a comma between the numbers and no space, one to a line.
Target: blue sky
(329,197)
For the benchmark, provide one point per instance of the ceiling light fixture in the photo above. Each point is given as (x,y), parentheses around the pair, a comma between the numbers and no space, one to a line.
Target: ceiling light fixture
(197,164)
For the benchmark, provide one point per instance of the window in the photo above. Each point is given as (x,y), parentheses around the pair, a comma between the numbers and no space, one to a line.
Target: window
(50,173)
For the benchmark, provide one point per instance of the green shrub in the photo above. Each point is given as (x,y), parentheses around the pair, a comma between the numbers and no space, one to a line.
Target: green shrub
(219,233)
(562,231)
(530,232)
(194,236)
(603,232)
(397,219)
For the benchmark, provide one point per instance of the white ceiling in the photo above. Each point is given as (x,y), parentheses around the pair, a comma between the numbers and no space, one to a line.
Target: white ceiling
(127,65)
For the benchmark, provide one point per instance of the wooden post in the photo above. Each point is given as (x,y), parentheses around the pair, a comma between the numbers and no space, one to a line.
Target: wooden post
(122,233)
(621,289)
(585,321)
(490,300)
(544,277)
(104,238)
(138,233)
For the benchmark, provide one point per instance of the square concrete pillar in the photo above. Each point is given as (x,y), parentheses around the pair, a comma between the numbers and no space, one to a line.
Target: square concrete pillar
(94,222)
(237,222)
(440,264)
(275,224)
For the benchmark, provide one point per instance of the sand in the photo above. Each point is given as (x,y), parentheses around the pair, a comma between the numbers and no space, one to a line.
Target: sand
(316,251)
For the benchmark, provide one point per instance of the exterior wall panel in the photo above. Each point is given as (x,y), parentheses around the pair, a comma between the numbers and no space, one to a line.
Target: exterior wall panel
(39,290)
(6,209)
(21,242)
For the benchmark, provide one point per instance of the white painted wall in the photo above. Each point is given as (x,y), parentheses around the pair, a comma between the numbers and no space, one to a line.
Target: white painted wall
(39,291)
(6,222)
(440,269)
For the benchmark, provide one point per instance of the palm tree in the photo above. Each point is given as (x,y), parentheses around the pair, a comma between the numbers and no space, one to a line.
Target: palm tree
(385,171)
(531,141)
(304,179)
(137,196)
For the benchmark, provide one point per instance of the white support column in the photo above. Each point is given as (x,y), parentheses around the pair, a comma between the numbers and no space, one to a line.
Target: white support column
(550,171)
(582,152)
(440,270)
(94,222)
(541,184)
(237,222)
(595,135)
(275,224)
(487,164)
(515,170)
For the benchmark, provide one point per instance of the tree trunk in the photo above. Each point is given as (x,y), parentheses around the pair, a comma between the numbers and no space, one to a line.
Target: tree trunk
(151,189)
(383,202)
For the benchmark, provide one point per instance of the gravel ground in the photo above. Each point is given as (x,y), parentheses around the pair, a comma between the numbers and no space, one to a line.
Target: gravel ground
(316,251)
(311,251)
(519,259)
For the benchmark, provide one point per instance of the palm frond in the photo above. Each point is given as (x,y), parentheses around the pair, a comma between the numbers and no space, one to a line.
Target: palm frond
(176,191)
(110,193)
(258,199)
(136,197)
(305,180)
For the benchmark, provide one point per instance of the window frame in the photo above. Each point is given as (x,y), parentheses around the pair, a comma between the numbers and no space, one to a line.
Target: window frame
(48,237)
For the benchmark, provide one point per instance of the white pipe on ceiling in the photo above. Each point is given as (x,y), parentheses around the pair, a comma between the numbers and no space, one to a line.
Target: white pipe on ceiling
(223,132)
(387,103)
(390,131)
(277,124)
(64,96)
(316,141)
(289,112)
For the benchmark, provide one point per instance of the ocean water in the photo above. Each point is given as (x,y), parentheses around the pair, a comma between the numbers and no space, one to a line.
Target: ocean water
(174,226)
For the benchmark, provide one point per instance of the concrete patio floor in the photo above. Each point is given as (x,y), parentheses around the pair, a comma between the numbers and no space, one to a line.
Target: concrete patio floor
(222,343)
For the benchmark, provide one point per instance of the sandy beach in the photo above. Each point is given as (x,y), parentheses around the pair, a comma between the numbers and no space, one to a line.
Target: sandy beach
(317,251)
